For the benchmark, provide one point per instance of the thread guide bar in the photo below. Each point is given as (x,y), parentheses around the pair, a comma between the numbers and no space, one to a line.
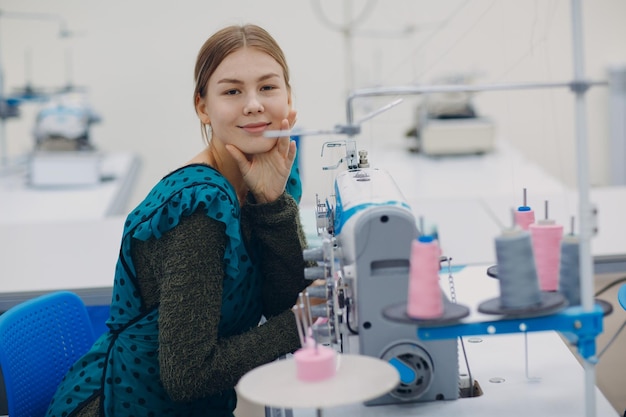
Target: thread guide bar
(575,321)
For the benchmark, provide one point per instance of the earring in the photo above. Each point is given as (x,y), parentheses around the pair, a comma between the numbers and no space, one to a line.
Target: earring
(208,131)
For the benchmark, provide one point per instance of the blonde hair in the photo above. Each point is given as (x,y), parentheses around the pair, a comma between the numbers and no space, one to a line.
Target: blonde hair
(223,43)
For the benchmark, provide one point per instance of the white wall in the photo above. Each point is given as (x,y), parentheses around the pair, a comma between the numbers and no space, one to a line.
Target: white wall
(136,58)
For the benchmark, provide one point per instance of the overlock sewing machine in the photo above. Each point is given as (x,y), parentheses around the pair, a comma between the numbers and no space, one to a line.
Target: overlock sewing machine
(367,228)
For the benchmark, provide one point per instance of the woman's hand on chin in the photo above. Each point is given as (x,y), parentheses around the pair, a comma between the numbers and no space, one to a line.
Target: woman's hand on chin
(266,173)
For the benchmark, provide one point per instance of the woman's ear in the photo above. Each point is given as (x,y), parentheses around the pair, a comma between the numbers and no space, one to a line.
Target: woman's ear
(201,110)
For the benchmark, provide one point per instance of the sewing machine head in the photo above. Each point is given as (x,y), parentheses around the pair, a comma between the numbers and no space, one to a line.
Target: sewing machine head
(368,232)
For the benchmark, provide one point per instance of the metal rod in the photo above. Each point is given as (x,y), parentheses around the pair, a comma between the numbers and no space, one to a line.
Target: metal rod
(408,90)
(315,332)
(298,325)
(379,111)
(586,262)
(308,307)
(4,159)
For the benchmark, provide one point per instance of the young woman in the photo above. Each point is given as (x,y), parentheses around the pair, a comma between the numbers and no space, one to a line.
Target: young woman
(215,246)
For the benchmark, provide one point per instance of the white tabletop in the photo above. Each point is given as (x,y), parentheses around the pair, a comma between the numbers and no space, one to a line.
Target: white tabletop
(469,198)
(465,229)
(502,172)
(79,255)
(23,203)
(54,238)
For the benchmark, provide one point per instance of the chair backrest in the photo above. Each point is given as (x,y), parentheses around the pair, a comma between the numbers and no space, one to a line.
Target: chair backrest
(40,339)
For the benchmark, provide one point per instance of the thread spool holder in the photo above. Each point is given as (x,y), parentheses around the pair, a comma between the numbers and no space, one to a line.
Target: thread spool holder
(583,324)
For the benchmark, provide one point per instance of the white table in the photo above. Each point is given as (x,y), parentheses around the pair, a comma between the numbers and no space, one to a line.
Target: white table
(23,203)
(503,172)
(79,255)
(464,227)
(469,198)
(54,238)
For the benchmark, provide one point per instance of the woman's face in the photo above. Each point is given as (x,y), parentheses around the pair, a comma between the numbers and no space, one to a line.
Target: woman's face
(246,96)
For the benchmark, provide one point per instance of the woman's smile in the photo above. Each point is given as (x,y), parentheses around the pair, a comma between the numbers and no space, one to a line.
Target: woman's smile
(258,127)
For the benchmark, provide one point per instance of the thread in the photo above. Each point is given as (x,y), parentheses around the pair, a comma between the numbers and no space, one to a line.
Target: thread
(315,363)
(524,217)
(517,273)
(546,239)
(424,296)
(569,274)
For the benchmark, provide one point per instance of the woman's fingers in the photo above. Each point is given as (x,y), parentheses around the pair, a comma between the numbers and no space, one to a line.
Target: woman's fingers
(240,158)
(284,143)
(292,118)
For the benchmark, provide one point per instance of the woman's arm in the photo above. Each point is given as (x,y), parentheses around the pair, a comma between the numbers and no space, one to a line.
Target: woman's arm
(276,228)
(194,361)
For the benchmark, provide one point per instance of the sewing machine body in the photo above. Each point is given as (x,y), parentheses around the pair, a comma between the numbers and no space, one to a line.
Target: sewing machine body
(373,228)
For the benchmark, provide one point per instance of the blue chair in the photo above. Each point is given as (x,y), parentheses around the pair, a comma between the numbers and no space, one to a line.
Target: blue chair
(621,296)
(40,339)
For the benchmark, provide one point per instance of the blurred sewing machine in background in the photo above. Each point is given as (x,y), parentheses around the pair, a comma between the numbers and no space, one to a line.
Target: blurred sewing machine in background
(447,123)
(63,123)
(64,154)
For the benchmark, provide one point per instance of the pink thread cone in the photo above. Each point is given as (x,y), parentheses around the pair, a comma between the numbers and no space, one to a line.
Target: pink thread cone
(524,218)
(424,298)
(315,363)
(546,237)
